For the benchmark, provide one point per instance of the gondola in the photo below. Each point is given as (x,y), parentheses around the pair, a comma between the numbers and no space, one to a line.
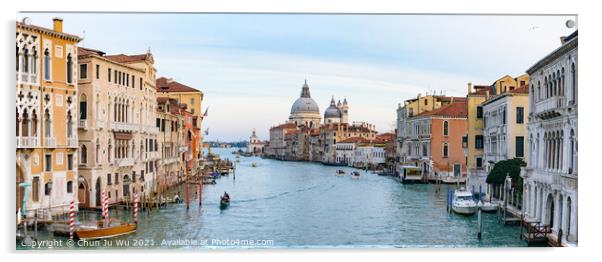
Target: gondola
(224,202)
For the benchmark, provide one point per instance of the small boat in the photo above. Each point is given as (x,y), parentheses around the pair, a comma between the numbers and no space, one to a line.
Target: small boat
(253,164)
(225,201)
(463,202)
(98,231)
(489,206)
(340,172)
(355,175)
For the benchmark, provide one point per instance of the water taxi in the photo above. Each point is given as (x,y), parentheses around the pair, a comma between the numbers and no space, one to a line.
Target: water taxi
(101,230)
(463,202)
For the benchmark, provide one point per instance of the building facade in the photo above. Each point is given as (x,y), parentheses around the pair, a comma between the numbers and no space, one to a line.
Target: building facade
(255,146)
(550,178)
(117,133)
(46,119)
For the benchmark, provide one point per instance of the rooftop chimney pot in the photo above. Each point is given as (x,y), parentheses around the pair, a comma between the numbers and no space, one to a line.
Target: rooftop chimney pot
(57,24)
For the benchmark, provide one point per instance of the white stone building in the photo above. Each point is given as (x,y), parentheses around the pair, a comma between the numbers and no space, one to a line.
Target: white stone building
(550,178)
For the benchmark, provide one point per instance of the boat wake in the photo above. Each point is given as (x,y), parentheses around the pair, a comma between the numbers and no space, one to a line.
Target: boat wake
(282,194)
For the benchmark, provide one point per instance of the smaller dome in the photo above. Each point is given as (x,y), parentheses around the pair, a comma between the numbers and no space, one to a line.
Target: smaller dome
(333,111)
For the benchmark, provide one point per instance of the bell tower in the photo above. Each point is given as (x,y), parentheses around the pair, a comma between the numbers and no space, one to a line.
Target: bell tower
(344,107)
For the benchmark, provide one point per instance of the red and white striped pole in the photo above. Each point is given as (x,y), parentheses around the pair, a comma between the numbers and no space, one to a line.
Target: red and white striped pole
(106,207)
(71,219)
(136,209)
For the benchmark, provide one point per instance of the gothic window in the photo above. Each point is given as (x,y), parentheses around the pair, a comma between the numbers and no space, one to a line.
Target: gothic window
(25,124)
(47,64)
(573,83)
(84,154)
(26,61)
(47,124)
(69,125)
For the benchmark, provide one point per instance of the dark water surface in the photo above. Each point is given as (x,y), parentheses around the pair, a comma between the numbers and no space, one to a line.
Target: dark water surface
(298,204)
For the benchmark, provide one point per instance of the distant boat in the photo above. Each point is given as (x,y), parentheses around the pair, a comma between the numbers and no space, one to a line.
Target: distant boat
(340,172)
(253,164)
(463,203)
(355,175)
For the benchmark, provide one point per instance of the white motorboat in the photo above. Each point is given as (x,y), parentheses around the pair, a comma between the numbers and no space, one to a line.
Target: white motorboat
(463,202)
(489,206)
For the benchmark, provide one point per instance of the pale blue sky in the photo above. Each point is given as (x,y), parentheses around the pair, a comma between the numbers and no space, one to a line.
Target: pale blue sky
(251,67)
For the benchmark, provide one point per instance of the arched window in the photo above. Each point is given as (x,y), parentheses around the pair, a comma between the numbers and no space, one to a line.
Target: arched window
(572,152)
(25,61)
(84,154)
(18,59)
(445,128)
(69,69)
(69,125)
(562,84)
(47,124)
(445,150)
(47,67)
(538,91)
(83,107)
(25,123)
(573,83)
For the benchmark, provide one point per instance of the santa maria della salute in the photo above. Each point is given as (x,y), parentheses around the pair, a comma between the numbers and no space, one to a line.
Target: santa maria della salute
(305,111)
(334,141)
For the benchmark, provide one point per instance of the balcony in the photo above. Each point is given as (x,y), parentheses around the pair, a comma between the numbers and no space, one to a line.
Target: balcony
(27,141)
(550,107)
(126,127)
(24,77)
(183,149)
(150,129)
(125,162)
(49,142)
(72,142)
(83,124)
(171,160)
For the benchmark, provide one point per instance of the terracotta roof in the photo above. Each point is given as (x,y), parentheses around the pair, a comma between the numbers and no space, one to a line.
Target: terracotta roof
(455,109)
(168,85)
(82,51)
(453,99)
(355,140)
(286,126)
(385,137)
(122,58)
(522,90)
(481,90)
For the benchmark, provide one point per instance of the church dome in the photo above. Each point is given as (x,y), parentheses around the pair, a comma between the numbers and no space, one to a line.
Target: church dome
(333,111)
(305,104)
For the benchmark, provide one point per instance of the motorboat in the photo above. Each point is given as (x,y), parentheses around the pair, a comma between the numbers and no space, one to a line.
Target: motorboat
(105,230)
(340,172)
(463,203)
(355,175)
(489,206)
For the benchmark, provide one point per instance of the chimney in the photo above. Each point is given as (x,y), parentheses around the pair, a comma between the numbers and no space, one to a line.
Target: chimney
(57,24)
(487,94)
(469,87)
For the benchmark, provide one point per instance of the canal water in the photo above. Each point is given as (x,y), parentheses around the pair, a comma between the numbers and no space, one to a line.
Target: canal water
(286,204)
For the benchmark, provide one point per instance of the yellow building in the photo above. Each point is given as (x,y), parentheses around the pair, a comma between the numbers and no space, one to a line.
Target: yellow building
(477,159)
(508,83)
(46,118)
(167,87)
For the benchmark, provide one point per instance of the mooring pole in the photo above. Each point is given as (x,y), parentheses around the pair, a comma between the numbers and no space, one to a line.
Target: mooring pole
(480,221)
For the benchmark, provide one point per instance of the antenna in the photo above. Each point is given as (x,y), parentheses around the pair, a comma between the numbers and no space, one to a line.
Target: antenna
(83,38)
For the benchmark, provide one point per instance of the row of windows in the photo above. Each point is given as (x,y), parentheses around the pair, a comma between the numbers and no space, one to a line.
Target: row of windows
(48,162)
(35,188)
(116,76)
(27,63)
